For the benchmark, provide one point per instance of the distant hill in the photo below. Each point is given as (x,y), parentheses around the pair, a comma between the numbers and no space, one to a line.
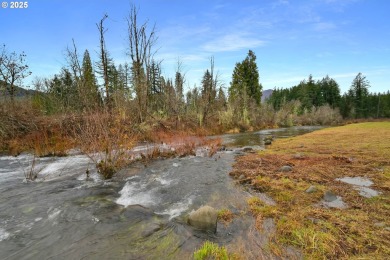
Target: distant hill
(19,92)
(266,94)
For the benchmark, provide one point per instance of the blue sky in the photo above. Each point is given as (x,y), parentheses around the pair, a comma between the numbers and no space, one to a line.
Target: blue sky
(291,38)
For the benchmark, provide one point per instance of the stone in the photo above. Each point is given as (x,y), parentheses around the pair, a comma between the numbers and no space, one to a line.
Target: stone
(311,189)
(204,218)
(247,149)
(267,142)
(298,156)
(150,230)
(329,196)
(222,148)
(286,168)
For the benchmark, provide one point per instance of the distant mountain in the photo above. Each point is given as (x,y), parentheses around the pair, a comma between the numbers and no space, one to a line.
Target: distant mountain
(19,92)
(266,94)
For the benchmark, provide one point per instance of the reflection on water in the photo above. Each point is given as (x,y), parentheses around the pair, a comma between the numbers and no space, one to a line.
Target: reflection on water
(257,138)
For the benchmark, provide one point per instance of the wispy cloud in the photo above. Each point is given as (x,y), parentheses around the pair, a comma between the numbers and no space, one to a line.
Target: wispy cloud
(173,57)
(232,42)
(324,26)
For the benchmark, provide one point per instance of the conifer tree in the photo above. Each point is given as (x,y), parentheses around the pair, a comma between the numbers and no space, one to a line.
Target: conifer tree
(245,80)
(359,93)
(89,89)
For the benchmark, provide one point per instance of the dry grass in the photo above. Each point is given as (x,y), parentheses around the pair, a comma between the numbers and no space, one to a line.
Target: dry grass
(360,231)
(105,136)
(225,216)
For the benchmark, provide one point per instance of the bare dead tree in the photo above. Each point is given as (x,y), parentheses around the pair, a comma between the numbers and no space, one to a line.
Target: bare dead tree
(13,68)
(140,52)
(104,57)
(74,62)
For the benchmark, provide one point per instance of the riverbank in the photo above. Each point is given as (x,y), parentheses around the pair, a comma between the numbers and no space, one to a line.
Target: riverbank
(330,191)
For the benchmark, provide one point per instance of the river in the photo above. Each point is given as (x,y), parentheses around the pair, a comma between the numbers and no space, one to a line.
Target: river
(139,214)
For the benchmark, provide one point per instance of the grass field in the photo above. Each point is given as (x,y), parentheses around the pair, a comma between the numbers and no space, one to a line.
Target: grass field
(362,229)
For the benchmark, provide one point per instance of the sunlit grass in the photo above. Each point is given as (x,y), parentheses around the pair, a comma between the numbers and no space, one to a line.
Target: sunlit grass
(210,250)
(362,231)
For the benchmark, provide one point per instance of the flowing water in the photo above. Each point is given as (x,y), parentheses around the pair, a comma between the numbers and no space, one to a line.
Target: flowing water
(139,214)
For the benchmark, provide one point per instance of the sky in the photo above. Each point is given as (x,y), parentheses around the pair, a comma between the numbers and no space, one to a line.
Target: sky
(291,38)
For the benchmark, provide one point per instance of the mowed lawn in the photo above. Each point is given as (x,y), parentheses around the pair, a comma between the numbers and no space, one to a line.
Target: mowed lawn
(360,230)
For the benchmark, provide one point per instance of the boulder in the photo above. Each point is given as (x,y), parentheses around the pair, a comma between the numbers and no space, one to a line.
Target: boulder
(285,168)
(329,196)
(205,218)
(247,149)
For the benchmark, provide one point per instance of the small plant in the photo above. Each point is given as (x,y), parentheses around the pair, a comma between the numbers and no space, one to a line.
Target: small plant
(31,174)
(106,169)
(210,250)
(225,216)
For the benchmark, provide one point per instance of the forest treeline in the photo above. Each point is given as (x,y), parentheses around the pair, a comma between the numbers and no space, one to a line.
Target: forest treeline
(140,98)
(358,102)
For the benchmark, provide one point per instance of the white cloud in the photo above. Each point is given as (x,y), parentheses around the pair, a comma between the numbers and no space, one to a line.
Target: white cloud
(173,57)
(232,42)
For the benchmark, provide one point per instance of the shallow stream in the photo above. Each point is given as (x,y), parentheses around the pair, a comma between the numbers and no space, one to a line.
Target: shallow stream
(139,214)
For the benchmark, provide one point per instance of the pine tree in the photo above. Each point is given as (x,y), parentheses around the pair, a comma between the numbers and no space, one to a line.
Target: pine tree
(359,93)
(330,91)
(89,90)
(245,80)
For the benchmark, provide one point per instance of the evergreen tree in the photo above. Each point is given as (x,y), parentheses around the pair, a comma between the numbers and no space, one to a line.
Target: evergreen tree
(245,80)
(208,94)
(330,91)
(359,94)
(63,88)
(89,90)
(221,99)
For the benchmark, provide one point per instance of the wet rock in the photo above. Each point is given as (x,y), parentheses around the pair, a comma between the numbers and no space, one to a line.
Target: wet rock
(285,168)
(238,152)
(204,218)
(247,149)
(367,192)
(241,177)
(222,148)
(329,196)
(311,189)
(362,185)
(358,181)
(151,229)
(331,200)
